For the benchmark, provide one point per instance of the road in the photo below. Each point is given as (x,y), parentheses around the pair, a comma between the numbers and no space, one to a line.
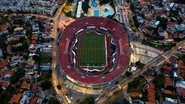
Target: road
(155,62)
(31,14)
(57,78)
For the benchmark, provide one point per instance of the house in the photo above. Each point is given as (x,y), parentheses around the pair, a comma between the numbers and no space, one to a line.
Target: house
(181,70)
(151,93)
(13,63)
(181,73)
(159,12)
(17,37)
(16,58)
(35,37)
(15,99)
(167,81)
(7,74)
(140,19)
(39,101)
(180,27)
(135,94)
(33,100)
(181,64)
(34,86)
(25,86)
(167,69)
(25,100)
(3,63)
(9,48)
(160,31)
(31,62)
(169,101)
(10,38)
(171,28)
(181,92)
(5,84)
(33,47)
(35,26)
(168,92)
(29,69)
(154,23)
(180,84)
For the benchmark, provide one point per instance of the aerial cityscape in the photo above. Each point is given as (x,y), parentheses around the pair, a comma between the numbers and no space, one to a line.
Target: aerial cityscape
(92,51)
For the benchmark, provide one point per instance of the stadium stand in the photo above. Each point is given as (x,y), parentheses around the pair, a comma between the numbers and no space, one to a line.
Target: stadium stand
(105,24)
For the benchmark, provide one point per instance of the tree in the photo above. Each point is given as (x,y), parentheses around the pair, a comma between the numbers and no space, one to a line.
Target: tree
(27,25)
(110,16)
(46,85)
(53,101)
(29,33)
(139,64)
(159,81)
(24,46)
(7,94)
(128,74)
(45,58)
(3,19)
(41,27)
(85,6)
(181,57)
(59,87)
(163,22)
(17,75)
(1,43)
(70,1)
(88,100)
(136,85)
(68,14)
(102,2)
(36,58)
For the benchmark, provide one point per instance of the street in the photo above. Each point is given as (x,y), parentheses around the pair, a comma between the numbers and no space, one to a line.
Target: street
(57,78)
(156,61)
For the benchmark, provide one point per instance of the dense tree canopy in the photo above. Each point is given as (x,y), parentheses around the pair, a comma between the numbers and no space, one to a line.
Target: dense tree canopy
(46,85)
(88,100)
(17,75)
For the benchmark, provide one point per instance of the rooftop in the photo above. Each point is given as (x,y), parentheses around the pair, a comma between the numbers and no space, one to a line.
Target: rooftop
(25,85)
(16,98)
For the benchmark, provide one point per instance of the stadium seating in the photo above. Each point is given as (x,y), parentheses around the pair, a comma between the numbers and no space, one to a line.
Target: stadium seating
(69,33)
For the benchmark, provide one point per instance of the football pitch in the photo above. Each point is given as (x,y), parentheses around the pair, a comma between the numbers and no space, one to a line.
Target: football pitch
(92,51)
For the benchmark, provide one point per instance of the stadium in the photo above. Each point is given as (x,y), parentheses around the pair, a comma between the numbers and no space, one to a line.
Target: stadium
(93,51)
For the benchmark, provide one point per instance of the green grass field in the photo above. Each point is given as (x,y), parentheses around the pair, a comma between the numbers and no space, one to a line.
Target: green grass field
(92,52)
